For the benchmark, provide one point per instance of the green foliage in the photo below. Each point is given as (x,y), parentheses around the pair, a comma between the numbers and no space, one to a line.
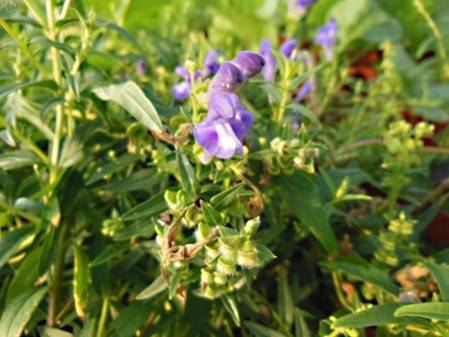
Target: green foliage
(332,221)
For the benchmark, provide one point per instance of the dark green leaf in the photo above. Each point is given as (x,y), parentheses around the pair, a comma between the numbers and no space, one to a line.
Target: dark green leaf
(375,316)
(438,311)
(155,288)
(11,241)
(231,307)
(19,311)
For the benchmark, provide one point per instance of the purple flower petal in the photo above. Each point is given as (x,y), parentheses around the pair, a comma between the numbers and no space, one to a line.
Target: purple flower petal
(141,67)
(249,63)
(304,91)
(222,105)
(288,47)
(269,70)
(228,78)
(183,72)
(211,64)
(327,38)
(182,90)
(218,138)
(304,4)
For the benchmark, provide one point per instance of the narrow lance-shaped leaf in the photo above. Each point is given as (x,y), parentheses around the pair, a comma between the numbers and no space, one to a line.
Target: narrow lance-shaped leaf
(153,289)
(440,273)
(11,241)
(81,280)
(131,98)
(375,316)
(18,312)
(231,307)
(437,311)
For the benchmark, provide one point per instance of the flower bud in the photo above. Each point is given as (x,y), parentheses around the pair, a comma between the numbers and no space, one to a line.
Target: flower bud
(251,226)
(228,78)
(249,63)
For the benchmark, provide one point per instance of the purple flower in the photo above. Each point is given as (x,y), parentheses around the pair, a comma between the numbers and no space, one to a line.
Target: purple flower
(303,5)
(269,70)
(221,134)
(249,63)
(211,64)
(141,67)
(182,90)
(303,91)
(228,78)
(327,37)
(288,47)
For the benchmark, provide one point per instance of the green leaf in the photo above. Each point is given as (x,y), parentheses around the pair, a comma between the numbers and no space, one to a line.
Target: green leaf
(11,241)
(52,332)
(25,276)
(110,252)
(48,249)
(130,319)
(186,174)
(19,311)
(81,281)
(153,289)
(438,311)
(375,316)
(131,98)
(440,273)
(285,302)
(227,196)
(211,216)
(140,180)
(260,331)
(6,90)
(302,197)
(110,168)
(360,269)
(17,159)
(146,209)
(301,328)
(231,307)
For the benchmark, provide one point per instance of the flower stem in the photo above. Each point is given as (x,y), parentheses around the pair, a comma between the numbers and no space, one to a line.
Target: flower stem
(103,317)
(56,277)
(57,76)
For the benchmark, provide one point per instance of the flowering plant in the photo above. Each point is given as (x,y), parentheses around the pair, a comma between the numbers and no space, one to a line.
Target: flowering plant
(259,168)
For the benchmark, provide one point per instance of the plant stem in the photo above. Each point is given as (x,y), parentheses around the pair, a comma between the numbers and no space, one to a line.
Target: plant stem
(57,76)
(103,317)
(56,278)
(279,116)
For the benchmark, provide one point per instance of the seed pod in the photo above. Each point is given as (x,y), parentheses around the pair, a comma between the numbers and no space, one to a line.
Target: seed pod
(207,277)
(220,278)
(251,226)
(228,247)
(247,255)
(226,267)
(212,253)
(170,199)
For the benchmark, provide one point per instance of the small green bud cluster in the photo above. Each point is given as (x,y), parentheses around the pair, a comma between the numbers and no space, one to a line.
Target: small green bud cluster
(403,141)
(396,237)
(113,225)
(227,258)
(290,155)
